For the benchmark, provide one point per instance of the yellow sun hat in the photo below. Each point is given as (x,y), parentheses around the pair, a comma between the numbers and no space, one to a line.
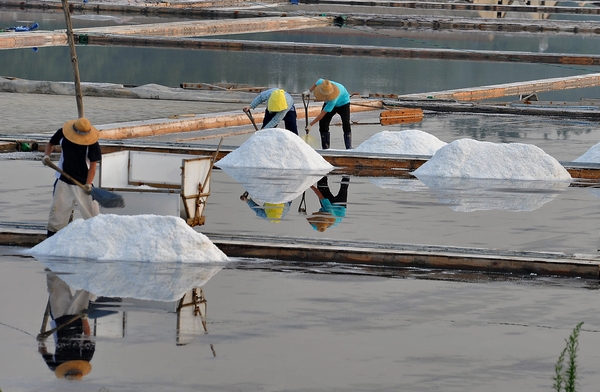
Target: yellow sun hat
(277,102)
(274,212)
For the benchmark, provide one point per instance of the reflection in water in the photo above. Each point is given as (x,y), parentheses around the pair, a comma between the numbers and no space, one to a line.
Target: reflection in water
(73,348)
(274,185)
(333,208)
(466,195)
(106,291)
(273,212)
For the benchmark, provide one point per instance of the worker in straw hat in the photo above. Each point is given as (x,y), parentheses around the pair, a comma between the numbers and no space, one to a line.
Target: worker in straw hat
(73,347)
(273,212)
(280,106)
(333,208)
(336,100)
(80,154)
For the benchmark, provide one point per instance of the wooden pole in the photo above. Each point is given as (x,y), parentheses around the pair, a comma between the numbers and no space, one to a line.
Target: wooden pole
(78,94)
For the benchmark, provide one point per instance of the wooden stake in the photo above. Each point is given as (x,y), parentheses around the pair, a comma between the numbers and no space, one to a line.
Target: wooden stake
(78,94)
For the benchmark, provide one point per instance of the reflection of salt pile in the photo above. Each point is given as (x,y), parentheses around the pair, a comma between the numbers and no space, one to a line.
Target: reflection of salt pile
(275,149)
(140,280)
(274,185)
(467,195)
(468,158)
(131,237)
(591,156)
(409,142)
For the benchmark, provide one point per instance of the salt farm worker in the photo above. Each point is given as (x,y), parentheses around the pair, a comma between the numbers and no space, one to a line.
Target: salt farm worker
(333,208)
(280,106)
(336,100)
(80,154)
(73,347)
(273,212)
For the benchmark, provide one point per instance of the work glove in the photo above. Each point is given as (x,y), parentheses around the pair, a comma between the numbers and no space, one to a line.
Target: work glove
(88,188)
(246,109)
(306,94)
(307,128)
(45,160)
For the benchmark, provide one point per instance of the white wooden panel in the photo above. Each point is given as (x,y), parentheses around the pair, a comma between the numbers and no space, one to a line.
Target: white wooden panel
(114,170)
(156,168)
(196,172)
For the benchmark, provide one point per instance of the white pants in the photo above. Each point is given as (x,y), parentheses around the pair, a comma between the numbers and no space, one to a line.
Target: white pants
(65,198)
(62,302)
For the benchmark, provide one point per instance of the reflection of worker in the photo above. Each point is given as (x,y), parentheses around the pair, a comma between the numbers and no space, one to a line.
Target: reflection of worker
(73,348)
(80,154)
(273,212)
(333,208)
(336,101)
(280,106)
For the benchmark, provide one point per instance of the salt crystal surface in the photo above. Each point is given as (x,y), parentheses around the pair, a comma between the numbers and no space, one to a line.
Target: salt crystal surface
(590,156)
(409,142)
(275,148)
(131,237)
(467,158)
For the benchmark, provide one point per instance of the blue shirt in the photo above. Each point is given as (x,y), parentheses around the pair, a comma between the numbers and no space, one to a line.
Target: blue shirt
(342,99)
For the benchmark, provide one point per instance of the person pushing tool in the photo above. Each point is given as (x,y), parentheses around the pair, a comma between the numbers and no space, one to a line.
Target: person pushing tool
(336,100)
(280,106)
(80,154)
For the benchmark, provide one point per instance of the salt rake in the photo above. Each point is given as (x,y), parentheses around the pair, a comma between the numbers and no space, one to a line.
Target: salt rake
(310,140)
(251,118)
(105,198)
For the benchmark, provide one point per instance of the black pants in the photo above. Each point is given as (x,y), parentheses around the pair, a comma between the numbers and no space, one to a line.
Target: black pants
(342,196)
(344,112)
(289,120)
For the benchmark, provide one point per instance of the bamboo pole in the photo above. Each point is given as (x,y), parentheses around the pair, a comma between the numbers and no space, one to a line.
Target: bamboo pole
(78,94)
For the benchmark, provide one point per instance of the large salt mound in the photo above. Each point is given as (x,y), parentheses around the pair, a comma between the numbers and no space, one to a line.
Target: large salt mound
(409,142)
(131,237)
(275,148)
(467,158)
(591,156)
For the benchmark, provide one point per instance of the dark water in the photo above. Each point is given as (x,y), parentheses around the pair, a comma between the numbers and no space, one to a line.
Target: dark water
(171,67)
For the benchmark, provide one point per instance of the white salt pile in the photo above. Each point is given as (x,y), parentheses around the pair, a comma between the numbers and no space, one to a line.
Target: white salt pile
(131,237)
(590,156)
(275,148)
(468,158)
(409,142)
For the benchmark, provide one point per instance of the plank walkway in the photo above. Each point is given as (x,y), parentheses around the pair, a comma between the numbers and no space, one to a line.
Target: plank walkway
(298,250)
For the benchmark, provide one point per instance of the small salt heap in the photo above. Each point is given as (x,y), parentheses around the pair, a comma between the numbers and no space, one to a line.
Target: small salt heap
(408,142)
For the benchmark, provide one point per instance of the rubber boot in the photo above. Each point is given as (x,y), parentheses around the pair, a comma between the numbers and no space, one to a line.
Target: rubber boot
(50,233)
(348,140)
(325,141)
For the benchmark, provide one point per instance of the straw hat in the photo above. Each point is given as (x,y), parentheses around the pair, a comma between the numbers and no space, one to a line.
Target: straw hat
(81,132)
(326,91)
(73,370)
(321,221)
(277,102)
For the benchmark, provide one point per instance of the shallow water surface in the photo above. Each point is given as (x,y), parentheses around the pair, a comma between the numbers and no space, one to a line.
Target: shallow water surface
(276,327)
